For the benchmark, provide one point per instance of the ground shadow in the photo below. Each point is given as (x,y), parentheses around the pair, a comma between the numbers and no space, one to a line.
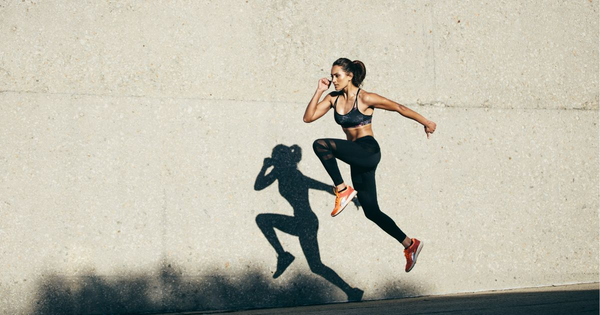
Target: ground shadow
(169,290)
(282,167)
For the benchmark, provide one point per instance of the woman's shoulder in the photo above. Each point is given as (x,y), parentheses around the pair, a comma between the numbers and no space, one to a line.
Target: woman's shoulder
(367,97)
(373,100)
(333,96)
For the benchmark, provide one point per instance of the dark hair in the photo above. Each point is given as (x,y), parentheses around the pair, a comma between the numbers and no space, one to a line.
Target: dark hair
(356,67)
(287,156)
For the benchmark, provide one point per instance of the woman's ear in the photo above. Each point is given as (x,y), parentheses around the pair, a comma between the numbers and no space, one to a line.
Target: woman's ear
(350,77)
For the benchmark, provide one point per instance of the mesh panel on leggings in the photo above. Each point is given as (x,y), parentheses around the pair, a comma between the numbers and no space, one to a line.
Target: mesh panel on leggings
(324,148)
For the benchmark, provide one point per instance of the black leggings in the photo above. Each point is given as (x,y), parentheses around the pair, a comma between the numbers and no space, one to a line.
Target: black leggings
(362,155)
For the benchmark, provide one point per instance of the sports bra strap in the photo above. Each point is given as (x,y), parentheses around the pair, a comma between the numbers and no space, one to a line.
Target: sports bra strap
(356,99)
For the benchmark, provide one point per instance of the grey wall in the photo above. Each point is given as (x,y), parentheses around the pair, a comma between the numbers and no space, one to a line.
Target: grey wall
(132,135)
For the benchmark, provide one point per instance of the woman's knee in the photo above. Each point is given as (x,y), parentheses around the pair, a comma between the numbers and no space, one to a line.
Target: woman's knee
(317,267)
(320,146)
(261,220)
(372,213)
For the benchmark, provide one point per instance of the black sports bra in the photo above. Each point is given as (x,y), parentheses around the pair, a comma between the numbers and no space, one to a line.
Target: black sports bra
(354,118)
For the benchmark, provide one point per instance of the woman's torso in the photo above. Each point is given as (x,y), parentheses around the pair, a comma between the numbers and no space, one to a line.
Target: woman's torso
(354,117)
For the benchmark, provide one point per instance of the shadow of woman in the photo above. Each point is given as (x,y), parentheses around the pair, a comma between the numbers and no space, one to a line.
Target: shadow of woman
(294,187)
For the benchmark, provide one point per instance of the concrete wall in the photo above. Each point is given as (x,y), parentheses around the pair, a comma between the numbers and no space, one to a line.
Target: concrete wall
(133,132)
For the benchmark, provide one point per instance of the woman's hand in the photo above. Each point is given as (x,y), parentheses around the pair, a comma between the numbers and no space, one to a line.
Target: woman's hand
(268,162)
(429,127)
(264,180)
(324,84)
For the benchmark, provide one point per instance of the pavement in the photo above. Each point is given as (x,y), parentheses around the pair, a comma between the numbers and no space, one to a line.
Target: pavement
(567,299)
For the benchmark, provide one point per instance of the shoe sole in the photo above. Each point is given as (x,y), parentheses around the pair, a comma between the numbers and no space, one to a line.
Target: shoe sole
(416,255)
(352,195)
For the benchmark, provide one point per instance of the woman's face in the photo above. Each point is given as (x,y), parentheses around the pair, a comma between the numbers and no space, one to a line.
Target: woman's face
(340,78)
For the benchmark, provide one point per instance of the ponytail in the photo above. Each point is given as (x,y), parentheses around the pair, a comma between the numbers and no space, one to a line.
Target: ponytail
(356,67)
(360,72)
(297,153)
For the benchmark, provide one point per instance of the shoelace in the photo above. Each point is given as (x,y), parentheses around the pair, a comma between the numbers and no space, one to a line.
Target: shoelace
(337,197)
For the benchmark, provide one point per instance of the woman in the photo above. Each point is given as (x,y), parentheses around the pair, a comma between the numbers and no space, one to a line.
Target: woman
(353,110)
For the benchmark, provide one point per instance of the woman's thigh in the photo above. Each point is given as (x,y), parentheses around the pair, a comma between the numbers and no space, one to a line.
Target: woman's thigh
(352,153)
(289,224)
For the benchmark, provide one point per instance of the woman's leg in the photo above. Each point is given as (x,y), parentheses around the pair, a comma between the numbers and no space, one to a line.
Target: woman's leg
(267,222)
(363,152)
(310,247)
(328,150)
(364,182)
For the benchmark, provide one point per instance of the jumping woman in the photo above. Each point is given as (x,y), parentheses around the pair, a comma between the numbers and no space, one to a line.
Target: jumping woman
(353,110)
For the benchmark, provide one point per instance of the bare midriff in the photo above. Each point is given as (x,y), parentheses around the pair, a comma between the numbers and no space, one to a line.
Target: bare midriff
(358,132)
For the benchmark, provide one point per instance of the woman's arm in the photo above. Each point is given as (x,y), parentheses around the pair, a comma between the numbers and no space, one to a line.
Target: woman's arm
(381,102)
(315,184)
(316,109)
(264,180)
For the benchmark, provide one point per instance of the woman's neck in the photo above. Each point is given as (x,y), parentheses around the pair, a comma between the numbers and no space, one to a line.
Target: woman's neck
(350,91)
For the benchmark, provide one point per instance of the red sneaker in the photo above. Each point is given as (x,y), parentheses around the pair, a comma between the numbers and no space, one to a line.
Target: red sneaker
(342,199)
(412,253)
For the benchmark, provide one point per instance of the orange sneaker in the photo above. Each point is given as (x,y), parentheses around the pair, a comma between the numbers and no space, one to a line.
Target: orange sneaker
(342,199)
(412,253)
